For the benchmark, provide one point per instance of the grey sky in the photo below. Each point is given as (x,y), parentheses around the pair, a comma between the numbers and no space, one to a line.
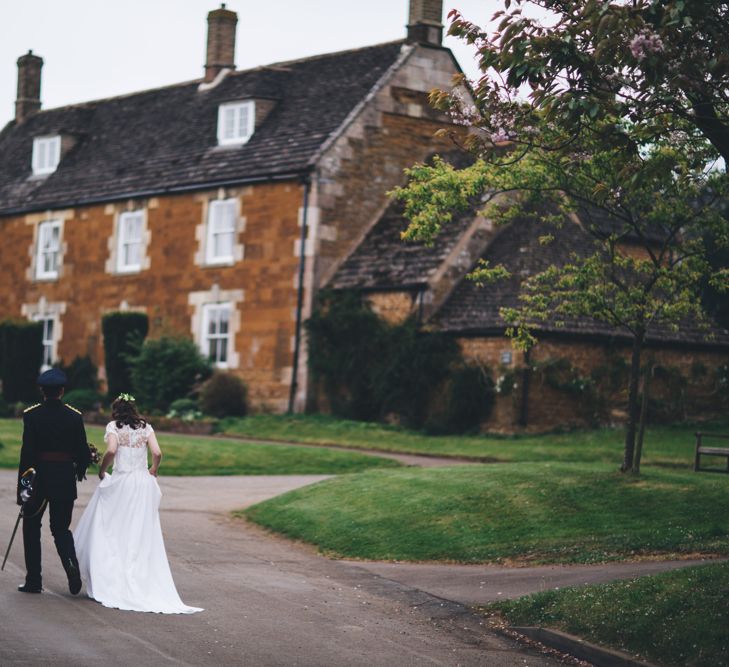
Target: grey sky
(98,48)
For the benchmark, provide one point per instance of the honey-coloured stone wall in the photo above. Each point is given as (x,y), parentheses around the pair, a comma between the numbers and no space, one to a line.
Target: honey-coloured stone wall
(684,381)
(264,280)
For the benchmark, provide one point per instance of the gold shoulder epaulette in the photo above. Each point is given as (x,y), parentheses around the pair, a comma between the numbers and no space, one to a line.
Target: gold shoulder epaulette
(72,408)
(32,407)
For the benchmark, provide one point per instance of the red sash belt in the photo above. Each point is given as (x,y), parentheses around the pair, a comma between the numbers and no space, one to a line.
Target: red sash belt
(55,457)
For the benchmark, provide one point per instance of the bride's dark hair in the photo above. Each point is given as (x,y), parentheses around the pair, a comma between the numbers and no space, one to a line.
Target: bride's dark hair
(125,412)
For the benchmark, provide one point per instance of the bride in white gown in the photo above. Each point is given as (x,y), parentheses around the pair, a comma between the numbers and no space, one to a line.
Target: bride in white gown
(119,542)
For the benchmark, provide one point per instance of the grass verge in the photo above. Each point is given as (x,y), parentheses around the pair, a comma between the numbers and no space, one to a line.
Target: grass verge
(675,618)
(189,455)
(541,513)
(670,446)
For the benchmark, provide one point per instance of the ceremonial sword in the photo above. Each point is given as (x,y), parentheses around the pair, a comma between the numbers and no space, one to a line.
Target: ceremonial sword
(27,480)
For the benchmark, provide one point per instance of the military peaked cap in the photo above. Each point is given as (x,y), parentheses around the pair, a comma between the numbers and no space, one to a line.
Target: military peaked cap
(52,378)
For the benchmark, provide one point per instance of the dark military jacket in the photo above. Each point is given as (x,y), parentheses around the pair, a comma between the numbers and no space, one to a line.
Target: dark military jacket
(56,428)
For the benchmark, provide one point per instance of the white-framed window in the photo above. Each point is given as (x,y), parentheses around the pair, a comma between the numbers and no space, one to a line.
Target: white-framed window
(236,122)
(46,154)
(216,333)
(130,241)
(221,231)
(49,325)
(49,249)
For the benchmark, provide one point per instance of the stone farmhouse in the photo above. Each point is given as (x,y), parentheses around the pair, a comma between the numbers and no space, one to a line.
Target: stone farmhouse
(217,206)
(222,206)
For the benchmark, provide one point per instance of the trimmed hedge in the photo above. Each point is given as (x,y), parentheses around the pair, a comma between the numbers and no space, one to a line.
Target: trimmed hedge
(21,356)
(124,333)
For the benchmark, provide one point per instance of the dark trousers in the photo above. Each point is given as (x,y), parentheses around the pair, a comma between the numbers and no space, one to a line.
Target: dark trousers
(60,511)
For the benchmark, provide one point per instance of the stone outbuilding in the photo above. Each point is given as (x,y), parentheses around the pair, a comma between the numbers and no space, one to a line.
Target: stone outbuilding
(576,375)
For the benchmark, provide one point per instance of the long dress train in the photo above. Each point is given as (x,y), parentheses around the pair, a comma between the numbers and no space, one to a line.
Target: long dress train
(119,541)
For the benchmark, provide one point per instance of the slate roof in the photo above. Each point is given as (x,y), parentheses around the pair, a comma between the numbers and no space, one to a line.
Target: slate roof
(166,139)
(471,309)
(384,261)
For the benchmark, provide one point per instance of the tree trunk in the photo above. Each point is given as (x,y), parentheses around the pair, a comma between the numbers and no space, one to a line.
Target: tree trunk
(643,417)
(711,126)
(633,407)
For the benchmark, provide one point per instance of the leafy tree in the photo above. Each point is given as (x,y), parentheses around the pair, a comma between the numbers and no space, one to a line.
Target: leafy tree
(608,132)
(655,205)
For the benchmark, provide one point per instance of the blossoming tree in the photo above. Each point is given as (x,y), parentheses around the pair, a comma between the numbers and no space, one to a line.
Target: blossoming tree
(600,133)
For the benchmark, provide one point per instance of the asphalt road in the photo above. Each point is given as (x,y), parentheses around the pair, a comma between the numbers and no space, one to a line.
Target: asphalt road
(267,601)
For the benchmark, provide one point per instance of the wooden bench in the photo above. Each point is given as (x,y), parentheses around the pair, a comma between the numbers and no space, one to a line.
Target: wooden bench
(703,450)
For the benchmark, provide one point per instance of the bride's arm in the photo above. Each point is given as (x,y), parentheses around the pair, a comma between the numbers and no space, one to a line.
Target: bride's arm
(156,454)
(111,445)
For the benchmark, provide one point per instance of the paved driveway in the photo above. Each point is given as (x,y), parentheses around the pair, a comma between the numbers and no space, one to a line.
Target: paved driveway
(267,602)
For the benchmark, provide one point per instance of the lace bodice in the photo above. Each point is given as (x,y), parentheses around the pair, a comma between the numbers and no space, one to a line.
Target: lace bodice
(132,451)
(128,436)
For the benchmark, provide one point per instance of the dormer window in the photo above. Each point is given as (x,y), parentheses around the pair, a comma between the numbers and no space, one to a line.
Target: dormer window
(236,122)
(46,154)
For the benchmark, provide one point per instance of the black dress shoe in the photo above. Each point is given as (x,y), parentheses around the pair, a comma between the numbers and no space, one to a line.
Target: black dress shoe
(73,574)
(27,588)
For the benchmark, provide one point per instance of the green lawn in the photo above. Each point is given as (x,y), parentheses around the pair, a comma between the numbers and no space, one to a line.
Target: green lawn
(543,512)
(675,618)
(671,446)
(188,455)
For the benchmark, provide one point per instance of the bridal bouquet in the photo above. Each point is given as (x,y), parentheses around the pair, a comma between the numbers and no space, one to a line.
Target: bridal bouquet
(94,453)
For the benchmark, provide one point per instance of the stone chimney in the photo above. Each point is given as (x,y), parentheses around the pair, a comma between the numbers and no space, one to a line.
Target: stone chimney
(29,85)
(221,42)
(425,25)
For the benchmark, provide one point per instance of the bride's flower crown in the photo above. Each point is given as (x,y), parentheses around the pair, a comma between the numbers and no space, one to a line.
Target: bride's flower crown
(125,397)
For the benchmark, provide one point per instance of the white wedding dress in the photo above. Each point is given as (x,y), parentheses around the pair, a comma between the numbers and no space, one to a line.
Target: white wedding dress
(119,542)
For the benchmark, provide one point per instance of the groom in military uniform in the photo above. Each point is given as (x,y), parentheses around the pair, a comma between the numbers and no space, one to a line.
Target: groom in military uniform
(54,443)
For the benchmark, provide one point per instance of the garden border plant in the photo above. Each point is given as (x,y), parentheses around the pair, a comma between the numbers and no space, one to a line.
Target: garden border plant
(372,370)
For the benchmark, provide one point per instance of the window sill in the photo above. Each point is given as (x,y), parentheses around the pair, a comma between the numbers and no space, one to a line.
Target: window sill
(231,144)
(216,263)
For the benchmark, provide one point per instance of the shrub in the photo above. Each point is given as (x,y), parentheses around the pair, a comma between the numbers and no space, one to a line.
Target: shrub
(344,338)
(123,336)
(82,374)
(370,369)
(186,409)
(166,369)
(414,365)
(224,395)
(83,399)
(467,400)
(21,355)
(5,408)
